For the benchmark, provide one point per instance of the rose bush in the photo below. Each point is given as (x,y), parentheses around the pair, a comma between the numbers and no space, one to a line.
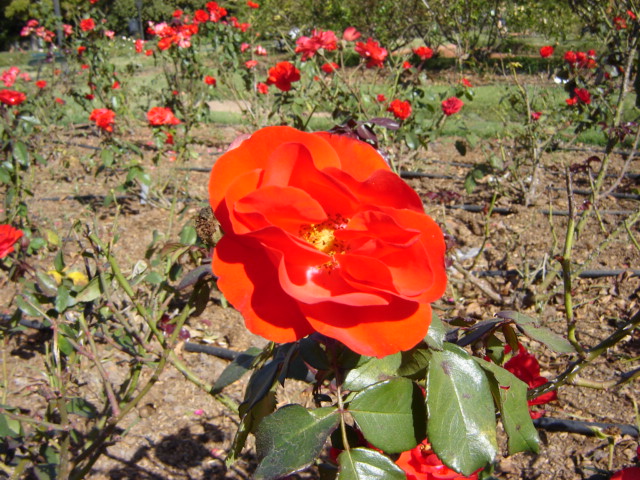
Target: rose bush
(321,236)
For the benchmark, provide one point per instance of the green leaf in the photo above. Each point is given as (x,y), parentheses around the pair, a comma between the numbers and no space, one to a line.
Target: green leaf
(82,407)
(532,329)
(414,363)
(9,427)
(153,278)
(63,299)
(365,464)
(461,423)
(292,438)
(250,420)
(27,308)
(236,369)
(58,262)
(21,154)
(436,333)
(188,235)
(373,371)
(510,395)
(92,290)
(314,354)
(391,415)
(47,284)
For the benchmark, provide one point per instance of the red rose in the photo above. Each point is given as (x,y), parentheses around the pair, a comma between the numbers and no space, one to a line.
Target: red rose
(216,12)
(282,75)
(8,238)
(631,15)
(201,16)
(12,97)
(619,23)
(570,57)
(209,80)
(571,101)
(381,98)
(41,83)
(330,67)
(631,473)
(546,51)
(350,34)
(81,49)
(451,105)
(466,82)
(250,63)
(251,4)
(319,39)
(400,109)
(262,88)
(372,51)
(535,116)
(406,65)
(583,95)
(321,236)
(526,367)
(104,118)
(87,24)
(421,463)
(425,53)
(161,116)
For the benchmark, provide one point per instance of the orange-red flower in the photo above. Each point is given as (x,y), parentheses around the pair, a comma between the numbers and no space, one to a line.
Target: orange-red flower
(283,75)
(104,118)
(425,53)
(400,109)
(209,80)
(546,51)
(161,116)
(421,463)
(372,51)
(12,97)
(451,105)
(8,238)
(321,236)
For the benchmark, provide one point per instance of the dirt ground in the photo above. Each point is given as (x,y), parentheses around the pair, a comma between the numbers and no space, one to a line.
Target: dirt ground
(180,432)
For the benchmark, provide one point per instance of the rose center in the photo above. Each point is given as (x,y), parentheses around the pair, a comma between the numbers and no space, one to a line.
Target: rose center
(322,235)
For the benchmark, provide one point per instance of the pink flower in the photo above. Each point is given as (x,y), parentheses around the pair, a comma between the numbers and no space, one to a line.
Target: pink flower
(67,29)
(535,116)
(372,52)
(451,105)
(109,34)
(250,63)
(350,34)
(260,50)
(244,46)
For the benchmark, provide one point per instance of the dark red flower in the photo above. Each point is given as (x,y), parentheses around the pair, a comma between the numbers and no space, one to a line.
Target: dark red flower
(283,75)
(525,366)
(104,118)
(451,105)
(421,463)
(546,51)
(630,473)
(400,109)
(570,57)
(583,95)
(162,116)
(425,53)
(619,23)
(381,98)
(12,97)
(372,52)
(321,236)
(87,24)
(209,80)
(8,238)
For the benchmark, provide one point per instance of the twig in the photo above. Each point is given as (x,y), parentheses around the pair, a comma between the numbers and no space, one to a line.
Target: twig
(482,286)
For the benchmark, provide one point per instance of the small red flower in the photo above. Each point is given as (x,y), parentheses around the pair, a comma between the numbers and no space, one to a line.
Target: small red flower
(283,75)
(148,53)
(209,80)
(619,23)
(570,57)
(536,116)
(201,16)
(161,116)
(12,97)
(89,96)
(631,15)
(8,238)
(406,65)
(250,63)
(466,82)
(319,39)
(525,366)
(400,109)
(350,34)
(41,83)
(87,24)
(425,53)
(330,67)
(177,13)
(583,95)
(546,51)
(381,98)
(84,66)
(262,88)
(81,49)
(421,463)
(116,85)
(251,4)
(372,52)
(139,45)
(104,118)
(59,100)
(451,105)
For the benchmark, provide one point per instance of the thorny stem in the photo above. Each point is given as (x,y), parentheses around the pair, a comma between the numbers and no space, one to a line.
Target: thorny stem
(591,354)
